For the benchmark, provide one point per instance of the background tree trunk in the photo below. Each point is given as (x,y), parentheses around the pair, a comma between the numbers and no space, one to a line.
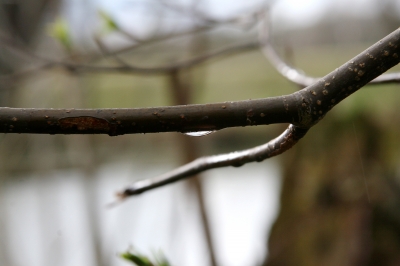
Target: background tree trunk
(340,196)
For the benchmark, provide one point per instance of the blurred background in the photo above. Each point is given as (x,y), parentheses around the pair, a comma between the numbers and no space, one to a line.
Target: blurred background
(331,200)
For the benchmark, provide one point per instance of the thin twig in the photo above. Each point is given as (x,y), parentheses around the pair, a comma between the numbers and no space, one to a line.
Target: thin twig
(131,69)
(295,75)
(238,158)
(104,50)
(47,63)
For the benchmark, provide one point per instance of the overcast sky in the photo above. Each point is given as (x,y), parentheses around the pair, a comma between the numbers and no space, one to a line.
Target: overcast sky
(294,12)
(140,16)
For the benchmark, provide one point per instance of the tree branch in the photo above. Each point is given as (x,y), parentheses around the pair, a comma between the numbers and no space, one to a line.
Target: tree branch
(297,76)
(314,102)
(131,69)
(274,147)
(48,63)
(303,109)
(181,118)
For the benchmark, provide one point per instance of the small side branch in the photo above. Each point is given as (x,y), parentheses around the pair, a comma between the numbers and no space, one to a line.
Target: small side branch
(45,63)
(131,69)
(295,75)
(257,154)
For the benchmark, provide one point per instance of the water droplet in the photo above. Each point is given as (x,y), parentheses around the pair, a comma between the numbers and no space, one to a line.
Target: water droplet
(199,133)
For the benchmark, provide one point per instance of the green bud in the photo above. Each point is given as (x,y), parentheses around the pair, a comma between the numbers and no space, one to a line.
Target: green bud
(109,23)
(60,31)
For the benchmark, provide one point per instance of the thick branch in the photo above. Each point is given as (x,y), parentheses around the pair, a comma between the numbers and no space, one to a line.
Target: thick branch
(303,108)
(297,76)
(323,95)
(316,100)
(183,118)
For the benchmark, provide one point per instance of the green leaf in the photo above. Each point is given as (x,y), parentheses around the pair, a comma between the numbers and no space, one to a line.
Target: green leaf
(136,259)
(140,260)
(60,31)
(109,22)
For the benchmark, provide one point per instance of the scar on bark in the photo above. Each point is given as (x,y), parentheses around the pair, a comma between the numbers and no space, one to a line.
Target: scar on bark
(88,123)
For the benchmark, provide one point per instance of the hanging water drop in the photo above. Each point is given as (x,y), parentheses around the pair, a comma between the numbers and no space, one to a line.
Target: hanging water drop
(199,133)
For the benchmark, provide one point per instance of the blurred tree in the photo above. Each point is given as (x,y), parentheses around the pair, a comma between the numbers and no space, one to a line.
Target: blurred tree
(339,193)
(339,197)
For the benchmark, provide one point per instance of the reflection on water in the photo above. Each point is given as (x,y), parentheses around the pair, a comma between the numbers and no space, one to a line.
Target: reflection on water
(45,219)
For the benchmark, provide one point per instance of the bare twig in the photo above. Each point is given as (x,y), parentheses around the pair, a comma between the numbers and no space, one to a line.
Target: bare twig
(297,76)
(105,51)
(47,63)
(131,69)
(274,147)
(127,68)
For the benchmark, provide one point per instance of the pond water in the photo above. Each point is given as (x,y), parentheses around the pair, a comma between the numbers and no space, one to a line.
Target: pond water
(60,217)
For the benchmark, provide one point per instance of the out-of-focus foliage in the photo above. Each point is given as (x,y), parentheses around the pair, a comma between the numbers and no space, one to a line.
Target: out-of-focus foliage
(60,31)
(110,24)
(140,260)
